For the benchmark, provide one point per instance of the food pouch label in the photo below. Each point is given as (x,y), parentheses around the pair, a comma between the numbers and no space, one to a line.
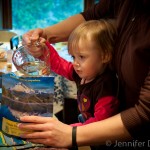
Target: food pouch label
(24,96)
(11,128)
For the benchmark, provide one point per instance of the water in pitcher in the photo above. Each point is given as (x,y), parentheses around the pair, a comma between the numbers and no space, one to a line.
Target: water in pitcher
(28,64)
(35,68)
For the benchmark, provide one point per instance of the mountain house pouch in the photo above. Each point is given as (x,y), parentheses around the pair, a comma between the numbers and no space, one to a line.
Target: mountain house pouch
(24,96)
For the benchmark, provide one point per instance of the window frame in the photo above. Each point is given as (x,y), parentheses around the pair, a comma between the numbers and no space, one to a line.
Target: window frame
(6,14)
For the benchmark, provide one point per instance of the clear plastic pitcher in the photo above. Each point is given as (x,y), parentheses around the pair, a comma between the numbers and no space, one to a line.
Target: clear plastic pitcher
(32,65)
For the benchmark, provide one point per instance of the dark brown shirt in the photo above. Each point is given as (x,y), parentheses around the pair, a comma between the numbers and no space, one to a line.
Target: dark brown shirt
(131,59)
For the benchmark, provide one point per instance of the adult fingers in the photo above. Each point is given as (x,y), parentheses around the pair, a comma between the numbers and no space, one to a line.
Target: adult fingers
(36,119)
(37,135)
(26,38)
(32,36)
(36,34)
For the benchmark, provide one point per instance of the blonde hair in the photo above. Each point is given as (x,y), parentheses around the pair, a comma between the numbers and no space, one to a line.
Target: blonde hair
(102,32)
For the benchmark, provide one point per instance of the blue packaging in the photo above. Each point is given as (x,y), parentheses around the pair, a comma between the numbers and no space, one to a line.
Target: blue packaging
(24,96)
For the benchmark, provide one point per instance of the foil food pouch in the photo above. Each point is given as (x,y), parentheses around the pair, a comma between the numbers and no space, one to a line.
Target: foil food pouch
(28,95)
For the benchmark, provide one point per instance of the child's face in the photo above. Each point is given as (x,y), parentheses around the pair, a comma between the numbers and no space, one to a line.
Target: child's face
(87,60)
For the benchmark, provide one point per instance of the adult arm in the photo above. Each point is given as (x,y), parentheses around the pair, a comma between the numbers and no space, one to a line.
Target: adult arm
(52,132)
(137,118)
(98,133)
(56,33)
(61,31)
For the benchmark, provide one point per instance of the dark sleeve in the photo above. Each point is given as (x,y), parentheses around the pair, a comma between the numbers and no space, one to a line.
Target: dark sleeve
(103,9)
(137,119)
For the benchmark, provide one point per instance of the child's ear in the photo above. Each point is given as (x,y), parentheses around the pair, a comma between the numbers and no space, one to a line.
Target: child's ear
(106,58)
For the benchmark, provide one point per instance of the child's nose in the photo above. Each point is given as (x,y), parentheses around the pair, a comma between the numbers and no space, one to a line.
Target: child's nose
(75,63)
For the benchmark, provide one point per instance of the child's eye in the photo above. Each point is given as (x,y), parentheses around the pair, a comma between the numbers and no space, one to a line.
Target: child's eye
(73,57)
(82,57)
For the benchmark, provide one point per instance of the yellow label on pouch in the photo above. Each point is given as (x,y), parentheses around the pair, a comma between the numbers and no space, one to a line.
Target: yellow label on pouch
(11,127)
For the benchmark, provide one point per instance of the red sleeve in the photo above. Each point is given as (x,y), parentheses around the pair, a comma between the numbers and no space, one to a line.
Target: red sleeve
(58,64)
(104,108)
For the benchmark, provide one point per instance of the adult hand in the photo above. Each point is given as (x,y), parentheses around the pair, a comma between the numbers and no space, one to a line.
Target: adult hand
(33,36)
(37,48)
(48,131)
